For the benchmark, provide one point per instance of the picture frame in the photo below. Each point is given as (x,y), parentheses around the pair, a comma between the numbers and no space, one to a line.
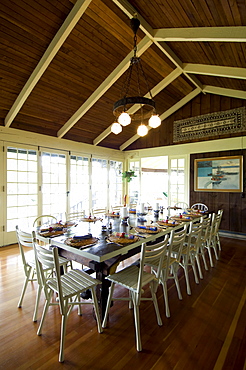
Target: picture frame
(221,174)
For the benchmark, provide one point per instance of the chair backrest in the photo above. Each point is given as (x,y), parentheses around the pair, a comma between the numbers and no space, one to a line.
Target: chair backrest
(44,261)
(117,208)
(200,206)
(215,224)
(98,211)
(206,222)
(151,254)
(181,205)
(75,216)
(44,219)
(24,240)
(194,236)
(177,240)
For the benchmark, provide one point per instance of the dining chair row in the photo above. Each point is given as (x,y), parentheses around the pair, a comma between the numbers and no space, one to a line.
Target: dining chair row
(180,249)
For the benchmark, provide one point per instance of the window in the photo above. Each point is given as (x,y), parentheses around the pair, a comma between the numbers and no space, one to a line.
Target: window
(54,186)
(177,181)
(79,183)
(115,183)
(22,182)
(99,183)
(134,184)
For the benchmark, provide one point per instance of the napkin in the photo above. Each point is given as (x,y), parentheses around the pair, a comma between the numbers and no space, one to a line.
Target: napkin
(152,228)
(82,237)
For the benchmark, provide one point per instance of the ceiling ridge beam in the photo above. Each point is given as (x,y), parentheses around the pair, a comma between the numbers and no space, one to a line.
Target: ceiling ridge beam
(215,70)
(196,34)
(63,32)
(239,94)
(107,83)
(166,114)
(156,89)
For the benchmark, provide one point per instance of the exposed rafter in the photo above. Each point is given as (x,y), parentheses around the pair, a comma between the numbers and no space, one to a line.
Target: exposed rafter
(211,34)
(239,94)
(212,70)
(64,31)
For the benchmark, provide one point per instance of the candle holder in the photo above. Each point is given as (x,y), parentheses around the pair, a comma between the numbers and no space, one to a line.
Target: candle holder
(124,220)
(141,217)
(156,213)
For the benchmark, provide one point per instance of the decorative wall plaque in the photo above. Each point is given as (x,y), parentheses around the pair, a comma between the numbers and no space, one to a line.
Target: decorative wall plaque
(209,125)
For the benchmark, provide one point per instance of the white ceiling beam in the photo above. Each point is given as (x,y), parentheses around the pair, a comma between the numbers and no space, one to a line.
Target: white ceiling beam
(160,86)
(166,114)
(218,71)
(143,45)
(211,34)
(239,94)
(64,31)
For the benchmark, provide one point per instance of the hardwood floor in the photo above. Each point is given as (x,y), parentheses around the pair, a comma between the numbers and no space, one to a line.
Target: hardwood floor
(205,331)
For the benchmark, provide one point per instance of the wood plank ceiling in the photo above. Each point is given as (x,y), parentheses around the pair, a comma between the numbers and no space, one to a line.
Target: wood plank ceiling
(63,62)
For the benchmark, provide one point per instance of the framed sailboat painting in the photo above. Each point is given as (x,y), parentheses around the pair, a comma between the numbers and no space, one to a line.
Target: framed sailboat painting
(219,174)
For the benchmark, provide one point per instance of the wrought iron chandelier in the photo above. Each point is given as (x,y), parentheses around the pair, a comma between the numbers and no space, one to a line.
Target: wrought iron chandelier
(145,106)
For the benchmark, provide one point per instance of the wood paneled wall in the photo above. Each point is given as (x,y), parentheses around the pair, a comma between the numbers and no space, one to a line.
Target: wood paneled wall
(233,204)
(202,104)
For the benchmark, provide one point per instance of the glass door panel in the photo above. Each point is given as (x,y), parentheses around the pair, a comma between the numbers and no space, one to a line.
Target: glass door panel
(115,183)
(79,184)
(99,183)
(21,187)
(54,186)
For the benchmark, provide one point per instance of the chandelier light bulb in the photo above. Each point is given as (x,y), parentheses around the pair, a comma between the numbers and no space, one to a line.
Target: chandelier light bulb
(142,130)
(116,128)
(154,121)
(124,119)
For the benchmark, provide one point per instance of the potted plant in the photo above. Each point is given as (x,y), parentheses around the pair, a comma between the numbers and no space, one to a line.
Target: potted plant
(128,175)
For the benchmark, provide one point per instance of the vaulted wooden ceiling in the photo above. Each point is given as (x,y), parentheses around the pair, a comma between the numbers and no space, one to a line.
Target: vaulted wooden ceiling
(63,63)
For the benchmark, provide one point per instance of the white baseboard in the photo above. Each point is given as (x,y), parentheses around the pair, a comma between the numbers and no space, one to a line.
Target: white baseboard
(231,234)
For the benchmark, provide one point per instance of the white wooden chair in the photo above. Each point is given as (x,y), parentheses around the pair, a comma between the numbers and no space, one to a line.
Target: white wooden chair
(205,239)
(28,261)
(170,264)
(199,206)
(186,258)
(214,241)
(182,205)
(68,286)
(29,265)
(195,241)
(44,219)
(134,278)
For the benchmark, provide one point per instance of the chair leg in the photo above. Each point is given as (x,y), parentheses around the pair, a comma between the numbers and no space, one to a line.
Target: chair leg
(204,259)
(95,302)
(27,279)
(63,333)
(194,269)
(137,326)
(187,279)
(45,310)
(105,319)
(199,266)
(210,256)
(175,275)
(164,286)
(35,313)
(158,316)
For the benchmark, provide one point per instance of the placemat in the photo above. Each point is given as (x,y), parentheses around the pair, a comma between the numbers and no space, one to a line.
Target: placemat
(167,224)
(148,231)
(119,240)
(87,219)
(81,243)
(51,233)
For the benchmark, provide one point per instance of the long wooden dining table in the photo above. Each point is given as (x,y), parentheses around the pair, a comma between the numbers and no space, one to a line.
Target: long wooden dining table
(103,257)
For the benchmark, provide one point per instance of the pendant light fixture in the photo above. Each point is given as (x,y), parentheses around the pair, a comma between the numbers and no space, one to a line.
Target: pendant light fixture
(146,112)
